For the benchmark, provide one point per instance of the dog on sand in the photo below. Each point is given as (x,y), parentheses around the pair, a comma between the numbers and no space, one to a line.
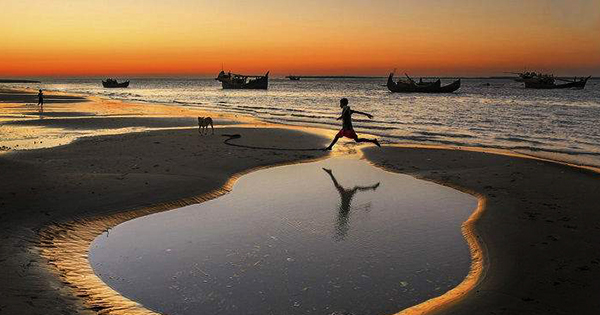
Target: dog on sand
(203,123)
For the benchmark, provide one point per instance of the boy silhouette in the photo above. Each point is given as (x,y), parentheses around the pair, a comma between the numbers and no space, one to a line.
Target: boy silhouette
(347,129)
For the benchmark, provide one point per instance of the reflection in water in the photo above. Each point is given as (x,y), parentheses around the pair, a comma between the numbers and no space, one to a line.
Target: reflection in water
(346,196)
(274,246)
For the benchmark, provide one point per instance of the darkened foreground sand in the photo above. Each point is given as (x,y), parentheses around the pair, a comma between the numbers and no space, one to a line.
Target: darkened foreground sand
(102,175)
(122,163)
(540,229)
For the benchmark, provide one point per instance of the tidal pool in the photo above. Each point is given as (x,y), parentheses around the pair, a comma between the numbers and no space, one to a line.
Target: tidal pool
(335,235)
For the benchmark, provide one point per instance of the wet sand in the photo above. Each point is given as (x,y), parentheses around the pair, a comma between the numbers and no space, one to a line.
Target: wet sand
(539,230)
(332,241)
(31,97)
(100,175)
(22,126)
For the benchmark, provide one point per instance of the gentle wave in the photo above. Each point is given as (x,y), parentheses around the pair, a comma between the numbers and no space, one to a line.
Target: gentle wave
(502,116)
(446,134)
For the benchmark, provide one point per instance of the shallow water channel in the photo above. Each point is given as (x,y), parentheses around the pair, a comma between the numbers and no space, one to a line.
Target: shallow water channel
(334,235)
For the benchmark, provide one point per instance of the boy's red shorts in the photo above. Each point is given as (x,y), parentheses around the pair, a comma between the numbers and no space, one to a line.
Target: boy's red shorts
(348,133)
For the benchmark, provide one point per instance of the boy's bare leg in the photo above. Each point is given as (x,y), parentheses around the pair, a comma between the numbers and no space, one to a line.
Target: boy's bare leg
(333,142)
(374,141)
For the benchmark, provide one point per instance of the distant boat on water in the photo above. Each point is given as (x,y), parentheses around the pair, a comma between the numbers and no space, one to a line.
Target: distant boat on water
(111,83)
(239,81)
(411,86)
(293,78)
(538,80)
(548,82)
(522,76)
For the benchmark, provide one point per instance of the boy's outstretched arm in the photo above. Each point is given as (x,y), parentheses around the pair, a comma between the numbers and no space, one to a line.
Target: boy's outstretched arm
(366,114)
(335,182)
(339,118)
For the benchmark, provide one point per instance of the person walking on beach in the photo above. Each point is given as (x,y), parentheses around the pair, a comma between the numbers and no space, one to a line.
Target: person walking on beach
(347,129)
(41,101)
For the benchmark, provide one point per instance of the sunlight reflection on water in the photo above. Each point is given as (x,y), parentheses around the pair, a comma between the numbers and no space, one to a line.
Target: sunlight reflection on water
(558,124)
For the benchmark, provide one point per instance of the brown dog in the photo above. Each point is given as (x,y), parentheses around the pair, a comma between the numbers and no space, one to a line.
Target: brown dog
(203,123)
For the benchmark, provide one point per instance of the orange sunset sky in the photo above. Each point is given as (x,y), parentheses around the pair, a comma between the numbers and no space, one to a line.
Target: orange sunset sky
(349,37)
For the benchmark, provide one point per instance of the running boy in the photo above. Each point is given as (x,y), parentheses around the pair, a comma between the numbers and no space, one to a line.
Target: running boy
(347,129)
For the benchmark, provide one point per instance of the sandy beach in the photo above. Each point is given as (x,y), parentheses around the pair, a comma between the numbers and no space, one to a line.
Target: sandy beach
(538,231)
(106,174)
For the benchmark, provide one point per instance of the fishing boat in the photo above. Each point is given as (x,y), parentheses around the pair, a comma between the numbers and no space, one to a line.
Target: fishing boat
(411,86)
(239,81)
(548,82)
(111,83)
(293,78)
(524,75)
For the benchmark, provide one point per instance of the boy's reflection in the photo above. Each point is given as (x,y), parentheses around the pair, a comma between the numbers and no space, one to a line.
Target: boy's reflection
(346,196)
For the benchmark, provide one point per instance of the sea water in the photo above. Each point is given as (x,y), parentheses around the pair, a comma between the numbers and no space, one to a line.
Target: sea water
(338,235)
(491,113)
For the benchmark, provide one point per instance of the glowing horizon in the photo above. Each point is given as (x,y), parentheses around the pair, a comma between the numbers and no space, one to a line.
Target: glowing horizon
(352,37)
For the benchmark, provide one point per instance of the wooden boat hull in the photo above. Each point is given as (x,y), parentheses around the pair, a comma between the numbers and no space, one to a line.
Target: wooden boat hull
(534,84)
(435,87)
(110,85)
(230,82)
(258,84)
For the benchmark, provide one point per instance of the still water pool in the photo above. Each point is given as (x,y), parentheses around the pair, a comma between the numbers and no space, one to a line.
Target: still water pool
(334,235)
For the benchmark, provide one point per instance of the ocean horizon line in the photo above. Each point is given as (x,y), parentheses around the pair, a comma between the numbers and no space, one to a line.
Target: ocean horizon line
(25,79)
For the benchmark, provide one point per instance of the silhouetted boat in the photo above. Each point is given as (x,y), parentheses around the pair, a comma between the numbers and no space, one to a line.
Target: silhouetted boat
(548,82)
(239,81)
(110,83)
(524,75)
(411,86)
(293,78)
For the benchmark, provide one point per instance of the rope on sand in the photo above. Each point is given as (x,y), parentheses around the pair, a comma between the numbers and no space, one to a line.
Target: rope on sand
(237,136)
